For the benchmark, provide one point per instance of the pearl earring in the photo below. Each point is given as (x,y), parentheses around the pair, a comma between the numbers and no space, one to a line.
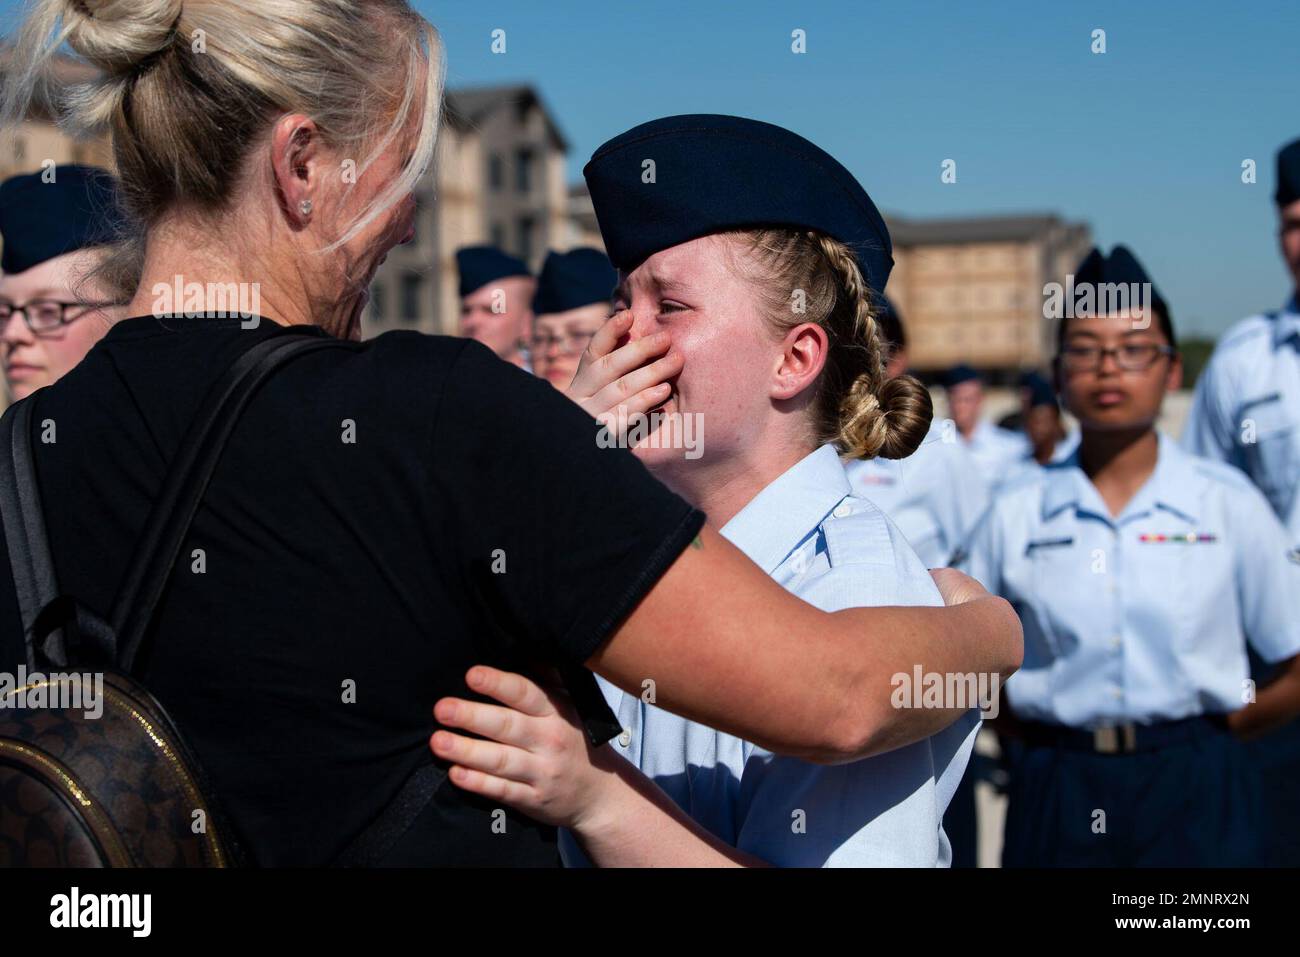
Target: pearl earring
(305,207)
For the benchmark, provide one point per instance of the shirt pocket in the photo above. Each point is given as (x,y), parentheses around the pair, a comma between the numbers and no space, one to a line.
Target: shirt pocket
(1169,585)
(1272,459)
(1060,577)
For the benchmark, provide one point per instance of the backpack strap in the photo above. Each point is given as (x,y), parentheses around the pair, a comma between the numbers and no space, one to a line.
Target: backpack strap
(369,847)
(187,479)
(30,561)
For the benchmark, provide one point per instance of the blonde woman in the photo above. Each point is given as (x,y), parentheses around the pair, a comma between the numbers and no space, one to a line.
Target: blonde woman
(364,540)
(762,284)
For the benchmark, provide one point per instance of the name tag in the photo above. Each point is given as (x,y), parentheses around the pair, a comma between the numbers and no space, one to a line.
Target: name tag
(1048,543)
(1262,400)
(1189,538)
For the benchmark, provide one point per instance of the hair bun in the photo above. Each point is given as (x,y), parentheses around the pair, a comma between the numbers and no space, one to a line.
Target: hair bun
(117,35)
(890,423)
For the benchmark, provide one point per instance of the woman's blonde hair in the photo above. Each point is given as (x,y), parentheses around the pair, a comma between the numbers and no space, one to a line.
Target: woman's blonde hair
(806,276)
(185,86)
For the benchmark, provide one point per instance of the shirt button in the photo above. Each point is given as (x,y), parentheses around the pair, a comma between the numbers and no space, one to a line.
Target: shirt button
(842,510)
(625,738)
(1116,641)
(1117,692)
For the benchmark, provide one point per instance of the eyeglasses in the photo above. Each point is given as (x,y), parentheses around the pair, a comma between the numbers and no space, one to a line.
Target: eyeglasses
(1131,357)
(46,315)
(572,344)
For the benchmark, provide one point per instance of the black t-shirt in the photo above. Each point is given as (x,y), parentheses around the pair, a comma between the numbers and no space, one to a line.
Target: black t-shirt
(386,515)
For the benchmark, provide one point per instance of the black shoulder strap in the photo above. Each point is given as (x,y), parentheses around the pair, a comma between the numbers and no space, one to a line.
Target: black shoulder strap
(43,611)
(370,846)
(30,560)
(187,479)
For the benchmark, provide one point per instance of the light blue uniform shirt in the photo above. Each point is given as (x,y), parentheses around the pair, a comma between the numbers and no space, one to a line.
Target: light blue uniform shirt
(1246,410)
(834,551)
(1144,617)
(934,496)
(1026,463)
(993,449)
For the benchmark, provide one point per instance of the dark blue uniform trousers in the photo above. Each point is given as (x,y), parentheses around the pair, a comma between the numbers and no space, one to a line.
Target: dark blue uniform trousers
(1193,804)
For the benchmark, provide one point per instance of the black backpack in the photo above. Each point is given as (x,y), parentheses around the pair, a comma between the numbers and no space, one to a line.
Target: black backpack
(121,788)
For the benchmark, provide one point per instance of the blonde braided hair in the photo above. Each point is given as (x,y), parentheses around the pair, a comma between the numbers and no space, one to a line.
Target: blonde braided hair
(858,408)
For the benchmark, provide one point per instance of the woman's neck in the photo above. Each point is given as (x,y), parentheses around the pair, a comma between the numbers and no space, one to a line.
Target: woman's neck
(185,271)
(722,486)
(1119,462)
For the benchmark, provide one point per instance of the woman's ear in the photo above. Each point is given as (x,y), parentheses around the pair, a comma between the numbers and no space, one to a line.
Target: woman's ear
(803,356)
(297,159)
(1174,377)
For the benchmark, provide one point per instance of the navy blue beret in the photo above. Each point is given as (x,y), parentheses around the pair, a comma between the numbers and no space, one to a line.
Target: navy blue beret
(1288,174)
(480,265)
(577,278)
(1121,266)
(959,374)
(715,173)
(40,220)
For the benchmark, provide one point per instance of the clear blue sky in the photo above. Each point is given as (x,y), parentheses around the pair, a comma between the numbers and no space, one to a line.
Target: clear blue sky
(1145,141)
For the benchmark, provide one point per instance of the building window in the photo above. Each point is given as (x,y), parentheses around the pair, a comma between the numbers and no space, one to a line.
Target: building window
(496,173)
(498,233)
(527,230)
(524,169)
(412,283)
(377,311)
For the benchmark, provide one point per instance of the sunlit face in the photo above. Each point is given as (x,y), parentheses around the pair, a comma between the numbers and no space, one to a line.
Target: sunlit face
(499,314)
(36,359)
(964,403)
(693,293)
(1105,396)
(559,338)
(1289,236)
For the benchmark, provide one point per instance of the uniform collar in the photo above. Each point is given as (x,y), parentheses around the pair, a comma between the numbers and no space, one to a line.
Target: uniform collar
(779,517)
(1172,486)
(1286,324)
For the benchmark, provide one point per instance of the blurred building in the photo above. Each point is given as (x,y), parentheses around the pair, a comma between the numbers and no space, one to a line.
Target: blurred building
(971,289)
(37,140)
(498,178)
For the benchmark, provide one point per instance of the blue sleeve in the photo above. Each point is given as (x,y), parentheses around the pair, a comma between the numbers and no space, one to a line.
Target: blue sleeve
(1268,576)
(980,556)
(970,495)
(792,813)
(1209,429)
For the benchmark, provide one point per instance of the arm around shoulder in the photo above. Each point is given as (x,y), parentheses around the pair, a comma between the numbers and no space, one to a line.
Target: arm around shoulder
(727,647)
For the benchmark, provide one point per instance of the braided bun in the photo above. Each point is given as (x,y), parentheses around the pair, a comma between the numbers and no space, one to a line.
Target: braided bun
(890,422)
(878,416)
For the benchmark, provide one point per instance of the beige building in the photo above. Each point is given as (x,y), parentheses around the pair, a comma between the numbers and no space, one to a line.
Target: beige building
(971,290)
(38,141)
(498,179)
